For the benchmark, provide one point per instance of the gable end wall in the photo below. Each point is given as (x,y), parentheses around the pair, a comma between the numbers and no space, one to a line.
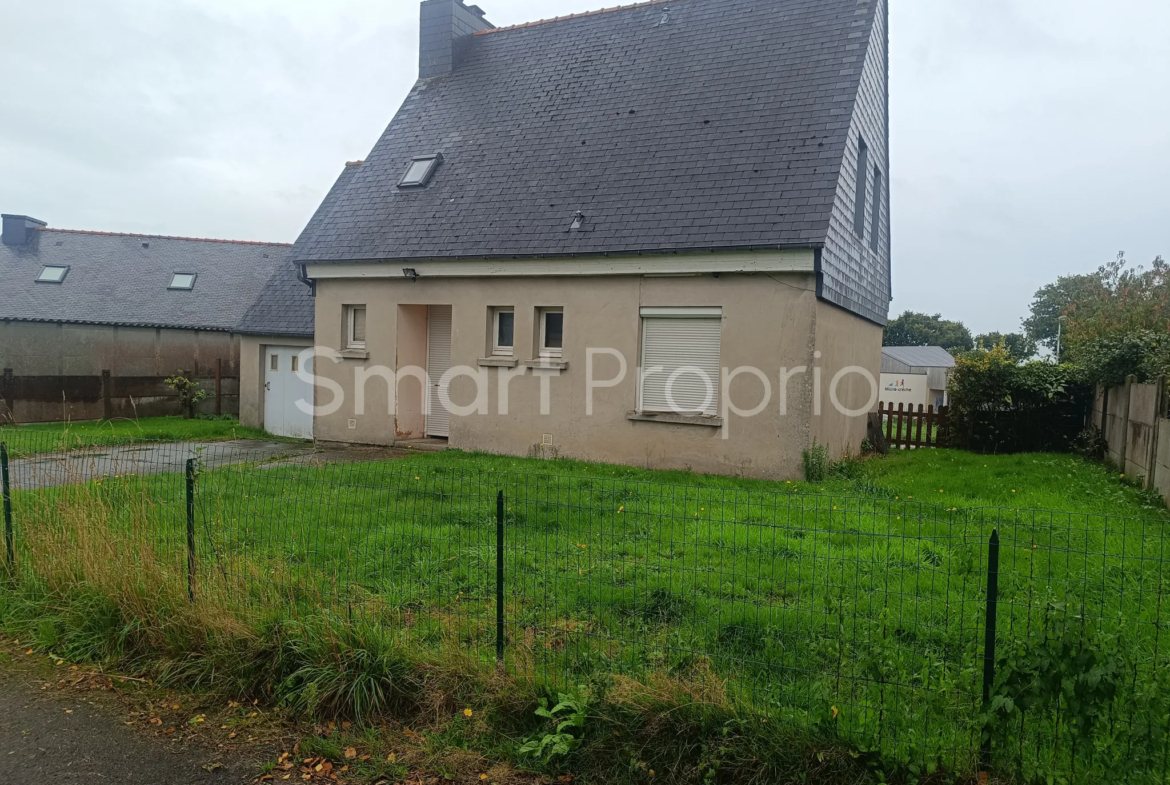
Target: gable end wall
(852,275)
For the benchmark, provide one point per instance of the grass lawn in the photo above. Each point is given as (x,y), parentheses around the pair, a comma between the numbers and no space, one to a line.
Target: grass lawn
(854,606)
(49,437)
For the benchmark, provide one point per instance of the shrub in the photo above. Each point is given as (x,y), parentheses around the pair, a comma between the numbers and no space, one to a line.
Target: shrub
(190,393)
(999,405)
(1111,359)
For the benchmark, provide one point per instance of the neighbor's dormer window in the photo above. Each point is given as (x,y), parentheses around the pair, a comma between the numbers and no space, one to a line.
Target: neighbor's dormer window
(183,282)
(420,170)
(52,274)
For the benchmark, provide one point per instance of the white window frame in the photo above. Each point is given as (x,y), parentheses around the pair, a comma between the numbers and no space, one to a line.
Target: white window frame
(550,351)
(63,268)
(350,313)
(648,314)
(175,287)
(497,349)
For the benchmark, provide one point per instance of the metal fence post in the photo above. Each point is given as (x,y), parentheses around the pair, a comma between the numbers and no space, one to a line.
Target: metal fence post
(500,577)
(989,637)
(9,544)
(191,530)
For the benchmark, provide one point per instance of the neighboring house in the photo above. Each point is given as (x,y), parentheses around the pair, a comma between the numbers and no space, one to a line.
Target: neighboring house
(91,323)
(916,375)
(694,185)
(275,390)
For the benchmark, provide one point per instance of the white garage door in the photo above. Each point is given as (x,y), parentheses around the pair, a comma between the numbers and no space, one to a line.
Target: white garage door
(283,389)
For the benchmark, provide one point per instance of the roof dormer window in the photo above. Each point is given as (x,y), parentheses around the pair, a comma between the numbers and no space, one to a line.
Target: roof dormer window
(420,171)
(182,282)
(52,274)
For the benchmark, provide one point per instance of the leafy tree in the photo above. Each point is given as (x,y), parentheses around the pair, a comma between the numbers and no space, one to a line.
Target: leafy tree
(1021,346)
(1113,301)
(919,329)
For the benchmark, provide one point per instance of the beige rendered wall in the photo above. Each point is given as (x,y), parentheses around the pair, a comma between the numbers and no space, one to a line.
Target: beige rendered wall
(770,321)
(844,342)
(252,350)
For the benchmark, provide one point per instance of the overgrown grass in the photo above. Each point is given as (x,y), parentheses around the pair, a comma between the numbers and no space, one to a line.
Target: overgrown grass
(48,437)
(847,613)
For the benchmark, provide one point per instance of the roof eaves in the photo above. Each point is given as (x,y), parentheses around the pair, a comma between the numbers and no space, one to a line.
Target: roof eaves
(123,323)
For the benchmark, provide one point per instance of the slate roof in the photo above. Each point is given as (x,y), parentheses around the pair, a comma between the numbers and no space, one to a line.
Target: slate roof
(285,305)
(122,279)
(676,126)
(920,356)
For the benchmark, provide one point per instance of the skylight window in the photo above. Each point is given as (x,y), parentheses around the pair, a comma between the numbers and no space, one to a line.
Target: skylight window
(420,171)
(52,274)
(183,282)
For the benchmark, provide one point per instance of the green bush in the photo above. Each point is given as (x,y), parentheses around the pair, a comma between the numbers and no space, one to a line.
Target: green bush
(1001,406)
(816,463)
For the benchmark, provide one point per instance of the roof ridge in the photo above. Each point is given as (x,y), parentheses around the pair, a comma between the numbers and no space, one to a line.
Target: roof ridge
(572,16)
(162,237)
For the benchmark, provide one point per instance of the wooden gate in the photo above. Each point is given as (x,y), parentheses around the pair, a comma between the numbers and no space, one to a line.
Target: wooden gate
(908,429)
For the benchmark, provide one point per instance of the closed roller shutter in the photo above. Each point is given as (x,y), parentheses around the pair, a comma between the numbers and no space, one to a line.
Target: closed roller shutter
(686,347)
(438,363)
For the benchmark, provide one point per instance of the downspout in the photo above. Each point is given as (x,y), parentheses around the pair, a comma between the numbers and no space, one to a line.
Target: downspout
(303,277)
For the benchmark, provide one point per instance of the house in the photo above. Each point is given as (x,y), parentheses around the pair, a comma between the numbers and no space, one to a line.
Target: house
(91,323)
(655,235)
(274,334)
(915,375)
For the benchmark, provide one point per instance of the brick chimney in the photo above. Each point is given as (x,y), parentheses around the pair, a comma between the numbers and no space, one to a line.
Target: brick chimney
(19,229)
(446,27)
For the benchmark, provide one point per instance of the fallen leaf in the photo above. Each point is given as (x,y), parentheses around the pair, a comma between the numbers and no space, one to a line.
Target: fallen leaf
(212,766)
(350,753)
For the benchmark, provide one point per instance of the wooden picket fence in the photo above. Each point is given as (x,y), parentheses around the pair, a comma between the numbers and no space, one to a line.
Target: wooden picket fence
(905,428)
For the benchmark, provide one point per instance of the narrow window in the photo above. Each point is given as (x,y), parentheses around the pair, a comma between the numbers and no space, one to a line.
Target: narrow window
(52,274)
(355,334)
(295,363)
(183,282)
(680,362)
(862,182)
(875,212)
(552,332)
(274,362)
(504,331)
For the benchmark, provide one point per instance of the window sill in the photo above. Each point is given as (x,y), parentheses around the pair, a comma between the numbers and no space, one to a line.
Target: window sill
(710,421)
(354,354)
(497,362)
(547,364)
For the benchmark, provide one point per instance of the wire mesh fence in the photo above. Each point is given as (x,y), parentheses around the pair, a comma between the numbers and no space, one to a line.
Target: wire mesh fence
(862,618)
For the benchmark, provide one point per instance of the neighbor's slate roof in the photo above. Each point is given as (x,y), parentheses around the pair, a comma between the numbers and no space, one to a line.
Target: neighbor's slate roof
(122,279)
(285,306)
(685,125)
(920,356)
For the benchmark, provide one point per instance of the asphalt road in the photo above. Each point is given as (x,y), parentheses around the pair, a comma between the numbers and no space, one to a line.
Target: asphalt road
(48,738)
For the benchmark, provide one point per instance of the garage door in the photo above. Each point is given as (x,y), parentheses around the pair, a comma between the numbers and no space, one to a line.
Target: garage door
(283,389)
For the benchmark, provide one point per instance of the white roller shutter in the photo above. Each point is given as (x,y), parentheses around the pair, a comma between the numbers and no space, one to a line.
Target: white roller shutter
(680,356)
(438,422)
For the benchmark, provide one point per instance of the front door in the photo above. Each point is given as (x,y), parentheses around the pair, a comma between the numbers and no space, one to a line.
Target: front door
(283,388)
(438,363)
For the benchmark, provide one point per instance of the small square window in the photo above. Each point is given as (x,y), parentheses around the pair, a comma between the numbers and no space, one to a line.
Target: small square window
(420,171)
(183,282)
(504,331)
(52,274)
(355,333)
(552,332)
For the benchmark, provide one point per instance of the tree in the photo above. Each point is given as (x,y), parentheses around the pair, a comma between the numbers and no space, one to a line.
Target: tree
(919,329)
(1019,345)
(1112,302)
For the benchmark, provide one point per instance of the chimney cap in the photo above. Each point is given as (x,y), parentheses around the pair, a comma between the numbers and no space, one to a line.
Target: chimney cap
(29,221)
(19,229)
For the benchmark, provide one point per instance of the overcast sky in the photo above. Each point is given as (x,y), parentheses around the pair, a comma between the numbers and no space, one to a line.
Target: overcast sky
(1031,138)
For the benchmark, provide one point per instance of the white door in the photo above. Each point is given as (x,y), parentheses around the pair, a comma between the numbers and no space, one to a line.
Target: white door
(283,388)
(438,363)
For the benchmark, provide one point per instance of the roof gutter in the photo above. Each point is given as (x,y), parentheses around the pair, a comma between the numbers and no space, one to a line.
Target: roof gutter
(303,277)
